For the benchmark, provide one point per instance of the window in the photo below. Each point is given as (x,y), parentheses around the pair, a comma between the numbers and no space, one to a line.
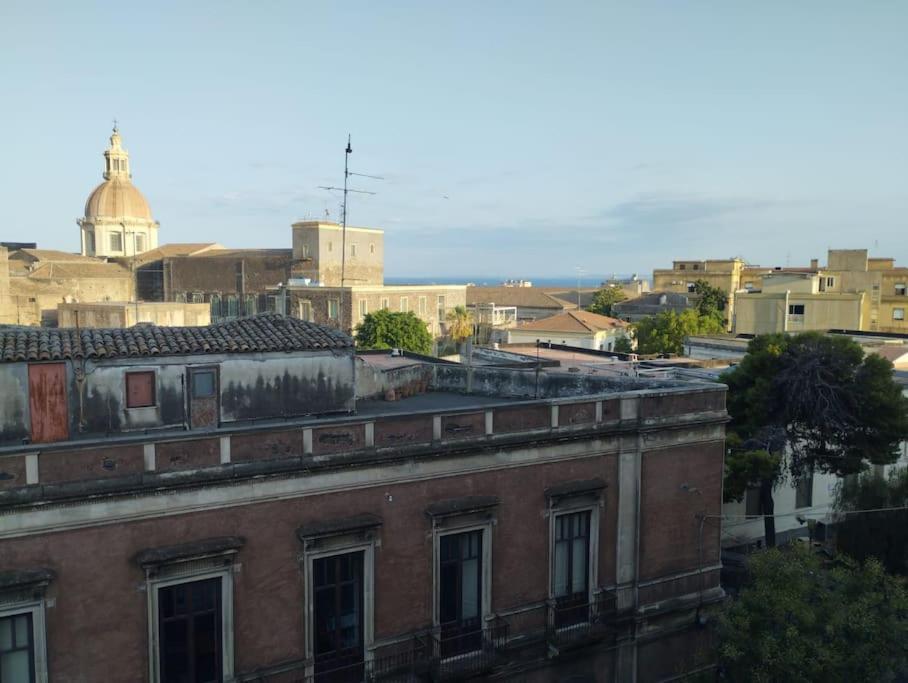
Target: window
(571,567)
(330,247)
(796,309)
(830,282)
(371,248)
(139,390)
(337,592)
(215,303)
(204,384)
(353,250)
(190,631)
(306,311)
(804,491)
(385,303)
(306,251)
(460,592)
(752,502)
(681,266)
(17,648)
(422,305)
(190,610)
(363,308)
(338,567)
(696,266)
(180,297)
(333,309)
(441,308)
(404,304)
(116,241)
(900,289)
(198,298)
(90,242)
(232,306)
(898,313)
(691,287)
(140,243)
(249,305)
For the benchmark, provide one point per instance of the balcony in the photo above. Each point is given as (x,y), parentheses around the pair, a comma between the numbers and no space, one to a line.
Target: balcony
(544,630)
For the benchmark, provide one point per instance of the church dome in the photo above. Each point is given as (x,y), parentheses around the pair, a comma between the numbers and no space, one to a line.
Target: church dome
(118,198)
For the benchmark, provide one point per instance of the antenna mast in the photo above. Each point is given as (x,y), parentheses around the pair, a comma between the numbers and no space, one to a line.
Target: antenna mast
(347,173)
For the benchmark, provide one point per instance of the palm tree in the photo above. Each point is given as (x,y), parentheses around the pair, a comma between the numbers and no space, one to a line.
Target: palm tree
(460,323)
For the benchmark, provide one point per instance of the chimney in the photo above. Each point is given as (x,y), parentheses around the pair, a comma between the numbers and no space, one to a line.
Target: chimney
(814,264)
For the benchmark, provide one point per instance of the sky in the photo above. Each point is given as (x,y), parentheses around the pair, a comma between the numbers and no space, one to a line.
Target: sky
(514,139)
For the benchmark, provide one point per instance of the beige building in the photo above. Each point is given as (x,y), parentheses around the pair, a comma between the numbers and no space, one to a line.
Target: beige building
(117,219)
(853,292)
(347,307)
(324,253)
(128,313)
(34,281)
(728,275)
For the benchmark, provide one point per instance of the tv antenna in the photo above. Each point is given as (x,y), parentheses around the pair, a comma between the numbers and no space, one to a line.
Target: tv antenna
(345,189)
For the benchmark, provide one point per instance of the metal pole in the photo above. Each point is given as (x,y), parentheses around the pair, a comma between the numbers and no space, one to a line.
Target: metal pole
(347,152)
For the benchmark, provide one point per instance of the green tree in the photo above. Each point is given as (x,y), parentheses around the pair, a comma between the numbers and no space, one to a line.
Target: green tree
(624,345)
(711,301)
(801,620)
(882,534)
(605,298)
(665,332)
(386,330)
(819,400)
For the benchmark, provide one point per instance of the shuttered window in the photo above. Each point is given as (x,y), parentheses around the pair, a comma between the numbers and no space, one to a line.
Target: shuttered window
(139,389)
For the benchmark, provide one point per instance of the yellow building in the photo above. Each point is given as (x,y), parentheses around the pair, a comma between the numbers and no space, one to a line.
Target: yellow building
(728,275)
(852,292)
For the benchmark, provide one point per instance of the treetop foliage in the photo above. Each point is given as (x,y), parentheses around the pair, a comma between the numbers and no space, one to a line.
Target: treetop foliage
(801,620)
(665,332)
(391,330)
(820,397)
(605,298)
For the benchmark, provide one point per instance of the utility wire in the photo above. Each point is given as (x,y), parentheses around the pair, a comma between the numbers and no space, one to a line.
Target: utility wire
(807,513)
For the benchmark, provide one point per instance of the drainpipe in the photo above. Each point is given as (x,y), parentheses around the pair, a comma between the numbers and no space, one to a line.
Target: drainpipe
(785,311)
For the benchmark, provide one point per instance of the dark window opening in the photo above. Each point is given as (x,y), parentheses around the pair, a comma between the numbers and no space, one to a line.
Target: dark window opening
(337,586)
(804,492)
(203,384)
(140,389)
(796,309)
(460,592)
(571,568)
(17,649)
(190,632)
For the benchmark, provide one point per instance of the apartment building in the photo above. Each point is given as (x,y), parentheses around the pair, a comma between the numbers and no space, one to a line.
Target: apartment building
(214,504)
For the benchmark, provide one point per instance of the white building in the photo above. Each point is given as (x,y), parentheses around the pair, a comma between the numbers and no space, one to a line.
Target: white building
(581,329)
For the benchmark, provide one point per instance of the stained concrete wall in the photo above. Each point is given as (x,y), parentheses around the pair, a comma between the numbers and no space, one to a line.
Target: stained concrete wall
(252,387)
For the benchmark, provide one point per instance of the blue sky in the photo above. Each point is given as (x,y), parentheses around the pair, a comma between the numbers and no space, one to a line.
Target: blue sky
(515,138)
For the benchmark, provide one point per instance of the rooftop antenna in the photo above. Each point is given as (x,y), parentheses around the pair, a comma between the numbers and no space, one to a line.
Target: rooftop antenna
(580,273)
(347,173)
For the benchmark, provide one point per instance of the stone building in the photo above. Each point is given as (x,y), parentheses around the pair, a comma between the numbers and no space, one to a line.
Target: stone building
(117,219)
(34,281)
(317,254)
(494,524)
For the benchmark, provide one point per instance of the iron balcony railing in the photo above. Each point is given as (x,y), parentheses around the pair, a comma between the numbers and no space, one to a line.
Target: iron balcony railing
(461,651)
(575,620)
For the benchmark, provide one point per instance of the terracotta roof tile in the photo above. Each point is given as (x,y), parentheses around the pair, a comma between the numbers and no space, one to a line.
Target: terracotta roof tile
(266,332)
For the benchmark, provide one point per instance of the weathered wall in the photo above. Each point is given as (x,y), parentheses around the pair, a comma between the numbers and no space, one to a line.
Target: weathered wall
(42,294)
(128,314)
(285,386)
(373,382)
(14,416)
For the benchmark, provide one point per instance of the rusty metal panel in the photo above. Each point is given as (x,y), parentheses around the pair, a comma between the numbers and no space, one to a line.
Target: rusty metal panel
(47,402)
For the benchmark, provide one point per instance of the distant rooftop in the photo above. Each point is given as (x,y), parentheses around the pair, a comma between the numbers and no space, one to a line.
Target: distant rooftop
(574,321)
(260,333)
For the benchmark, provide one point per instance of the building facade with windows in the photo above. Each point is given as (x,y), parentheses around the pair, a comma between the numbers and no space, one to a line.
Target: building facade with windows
(346,307)
(500,523)
(852,292)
